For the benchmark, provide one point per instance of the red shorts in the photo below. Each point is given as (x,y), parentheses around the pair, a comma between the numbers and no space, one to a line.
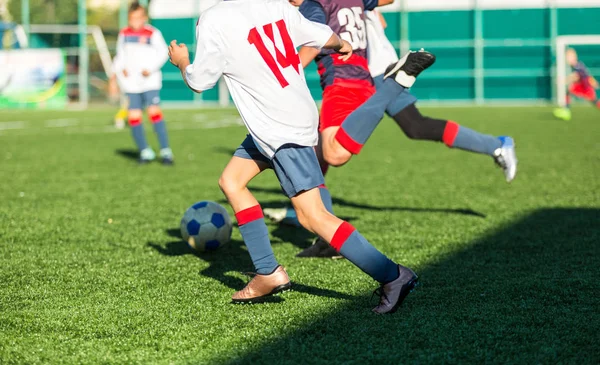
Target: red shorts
(583,91)
(339,101)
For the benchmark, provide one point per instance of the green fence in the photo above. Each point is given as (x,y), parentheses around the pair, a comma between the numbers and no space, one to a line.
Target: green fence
(483,55)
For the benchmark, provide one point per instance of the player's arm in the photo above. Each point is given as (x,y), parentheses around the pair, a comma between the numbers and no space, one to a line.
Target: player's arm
(314,12)
(573,77)
(594,82)
(381,19)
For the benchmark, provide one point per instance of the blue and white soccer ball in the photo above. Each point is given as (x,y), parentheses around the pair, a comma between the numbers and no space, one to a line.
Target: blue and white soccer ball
(206,226)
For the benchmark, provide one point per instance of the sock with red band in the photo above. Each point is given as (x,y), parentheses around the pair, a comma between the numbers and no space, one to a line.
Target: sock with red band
(353,246)
(138,134)
(457,136)
(160,128)
(256,237)
(360,124)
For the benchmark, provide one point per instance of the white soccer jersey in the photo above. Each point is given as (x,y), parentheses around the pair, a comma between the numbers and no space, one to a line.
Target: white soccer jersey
(139,50)
(253,43)
(380,51)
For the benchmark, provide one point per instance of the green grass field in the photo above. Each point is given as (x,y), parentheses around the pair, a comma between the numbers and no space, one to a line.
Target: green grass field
(509,273)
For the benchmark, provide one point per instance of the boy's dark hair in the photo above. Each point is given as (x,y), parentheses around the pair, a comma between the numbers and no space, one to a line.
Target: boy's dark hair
(135,6)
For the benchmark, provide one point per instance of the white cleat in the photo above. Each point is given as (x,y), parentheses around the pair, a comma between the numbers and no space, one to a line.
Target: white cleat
(275,214)
(506,157)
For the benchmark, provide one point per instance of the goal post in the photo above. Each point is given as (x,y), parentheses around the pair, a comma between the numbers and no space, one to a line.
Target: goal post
(562,69)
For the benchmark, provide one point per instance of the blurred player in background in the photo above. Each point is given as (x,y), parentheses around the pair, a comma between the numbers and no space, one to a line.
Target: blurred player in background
(141,53)
(253,45)
(581,85)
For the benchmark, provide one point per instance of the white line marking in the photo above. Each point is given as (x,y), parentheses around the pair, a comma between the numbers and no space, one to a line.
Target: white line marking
(12,125)
(60,123)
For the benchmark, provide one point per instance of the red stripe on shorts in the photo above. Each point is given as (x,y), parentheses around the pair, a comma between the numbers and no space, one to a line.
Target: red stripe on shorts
(341,235)
(249,215)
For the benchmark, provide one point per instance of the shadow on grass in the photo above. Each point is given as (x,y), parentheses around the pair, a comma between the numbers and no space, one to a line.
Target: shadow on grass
(524,294)
(128,153)
(230,258)
(345,203)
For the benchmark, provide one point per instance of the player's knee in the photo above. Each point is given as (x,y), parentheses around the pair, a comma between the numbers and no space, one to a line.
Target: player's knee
(155,113)
(228,184)
(134,117)
(336,156)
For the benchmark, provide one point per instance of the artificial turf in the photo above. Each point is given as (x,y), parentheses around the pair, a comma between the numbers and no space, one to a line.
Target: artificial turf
(92,269)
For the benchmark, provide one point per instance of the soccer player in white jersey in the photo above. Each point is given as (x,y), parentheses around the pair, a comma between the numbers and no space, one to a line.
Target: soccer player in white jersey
(253,43)
(141,53)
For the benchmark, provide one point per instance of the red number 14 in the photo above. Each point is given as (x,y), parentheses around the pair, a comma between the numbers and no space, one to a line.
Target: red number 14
(286,59)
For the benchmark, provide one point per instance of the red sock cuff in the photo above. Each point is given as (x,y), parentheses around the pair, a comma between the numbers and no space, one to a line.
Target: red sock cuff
(341,235)
(450,133)
(347,142)
(155,118)
(249,215)
(135,122)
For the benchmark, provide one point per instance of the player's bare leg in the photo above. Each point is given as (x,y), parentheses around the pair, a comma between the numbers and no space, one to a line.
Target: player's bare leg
(270,277)
(396,280)
(134,116)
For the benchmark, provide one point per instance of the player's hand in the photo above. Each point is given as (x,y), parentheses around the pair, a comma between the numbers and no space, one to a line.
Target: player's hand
(178,53)
(125,73)
(345,51)
(145,73)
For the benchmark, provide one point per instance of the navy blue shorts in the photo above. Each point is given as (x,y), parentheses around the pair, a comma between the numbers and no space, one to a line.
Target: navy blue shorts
(405,99)
(296,167)
(143,100)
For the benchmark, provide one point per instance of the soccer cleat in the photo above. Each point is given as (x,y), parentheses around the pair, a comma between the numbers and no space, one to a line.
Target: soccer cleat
(406,70)
(166,156)
(275,214)
(392,294)
(506,157)
(286,215)
(147,155)
(320,248)
(262,286)
(563,113)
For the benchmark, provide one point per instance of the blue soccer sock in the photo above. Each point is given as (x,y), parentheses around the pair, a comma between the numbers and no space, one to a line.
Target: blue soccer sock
(160,128)
(256,237)
(457,136)
(360,124)
(353,246)
(138,134)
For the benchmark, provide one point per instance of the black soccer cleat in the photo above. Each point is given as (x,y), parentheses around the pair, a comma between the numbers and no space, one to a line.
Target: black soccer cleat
(406,70)
(392,294)
(321,249)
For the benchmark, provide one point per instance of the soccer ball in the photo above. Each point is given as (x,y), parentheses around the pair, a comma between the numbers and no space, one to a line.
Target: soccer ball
(206,226)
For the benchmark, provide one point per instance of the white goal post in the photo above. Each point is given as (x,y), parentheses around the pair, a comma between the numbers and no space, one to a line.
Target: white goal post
(562,69)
